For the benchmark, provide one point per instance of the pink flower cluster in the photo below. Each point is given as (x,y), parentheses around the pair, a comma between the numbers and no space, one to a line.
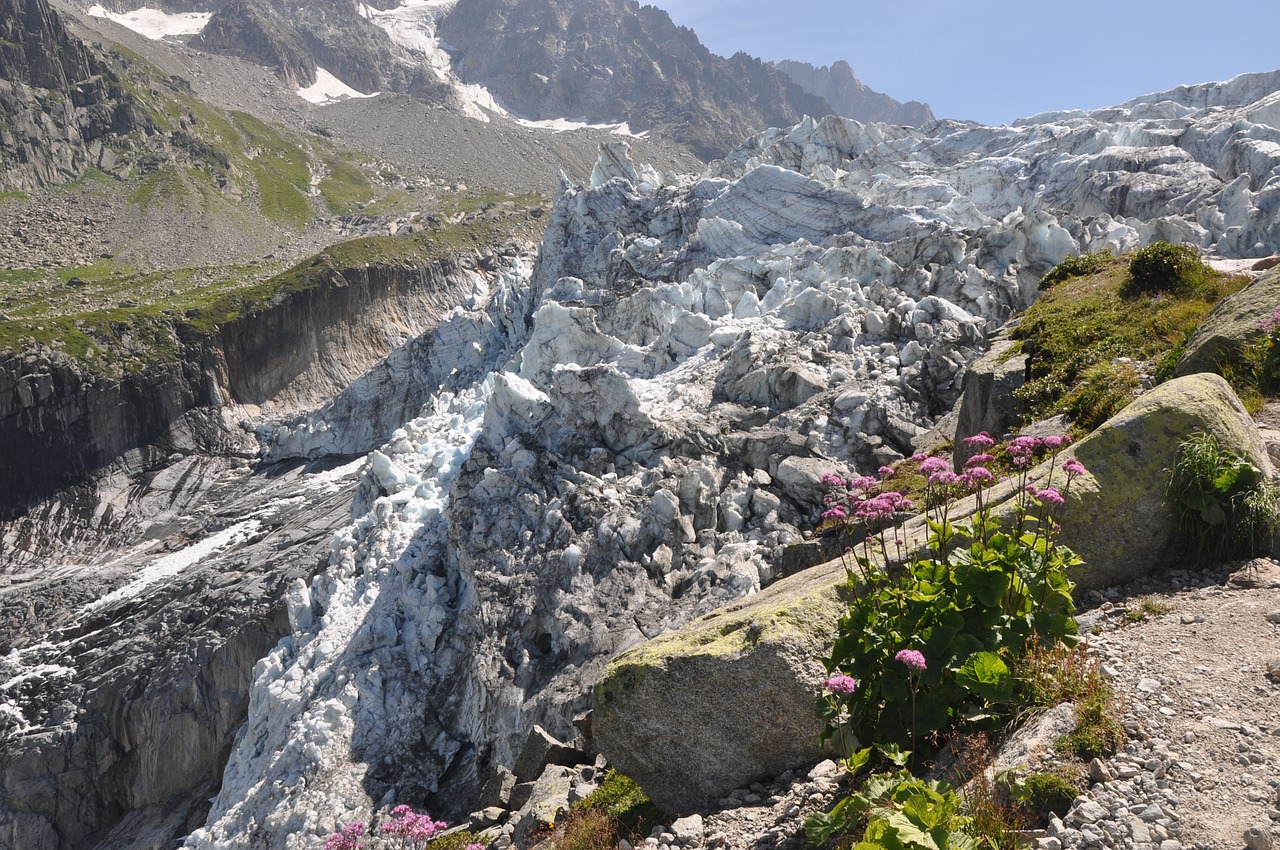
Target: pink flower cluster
(346,838)
(841,684)
(913,658)
(1270,323)
(1046,496)
(410,825)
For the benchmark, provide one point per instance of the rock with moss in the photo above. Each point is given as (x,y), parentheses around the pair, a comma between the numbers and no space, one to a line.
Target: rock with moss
(724,702)
(1232,327)
(1116,518)
(988,403)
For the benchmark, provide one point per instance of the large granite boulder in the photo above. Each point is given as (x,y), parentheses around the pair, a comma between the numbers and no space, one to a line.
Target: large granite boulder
(1232,326)
(727,700)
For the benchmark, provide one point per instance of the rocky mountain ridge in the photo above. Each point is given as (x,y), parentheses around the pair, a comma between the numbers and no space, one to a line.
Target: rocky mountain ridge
(850,97)
(538,62)
(58,101)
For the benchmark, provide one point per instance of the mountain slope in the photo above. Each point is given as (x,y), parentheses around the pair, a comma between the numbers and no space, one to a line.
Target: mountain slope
(58,101)
(613,60)
(848,96)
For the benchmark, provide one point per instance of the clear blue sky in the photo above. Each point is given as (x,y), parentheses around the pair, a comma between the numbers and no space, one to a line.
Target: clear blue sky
(997,60)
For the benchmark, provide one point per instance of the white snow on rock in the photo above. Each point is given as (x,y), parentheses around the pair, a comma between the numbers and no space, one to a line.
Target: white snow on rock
(414,25)
(170,565)
(689,355)
(329,89)
(155,24)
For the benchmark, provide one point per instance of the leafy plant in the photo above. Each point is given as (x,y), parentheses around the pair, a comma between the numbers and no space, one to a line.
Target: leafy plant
(1049,675)
(1075,266)
(896,811)
(1222,506)
(929,649)
(1163,267)
(625,801)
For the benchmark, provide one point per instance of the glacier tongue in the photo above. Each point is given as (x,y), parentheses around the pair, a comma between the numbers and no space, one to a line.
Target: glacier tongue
(690,355)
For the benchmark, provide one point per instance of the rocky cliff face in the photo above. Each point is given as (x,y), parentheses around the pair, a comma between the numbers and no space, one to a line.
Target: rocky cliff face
(848,96)
(137,602)
(258,34)
(617,61)
(58,101)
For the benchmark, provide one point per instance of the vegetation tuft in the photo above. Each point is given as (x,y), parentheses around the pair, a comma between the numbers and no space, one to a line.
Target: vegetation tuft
(1093,340)
(1075,267)
(1223,506)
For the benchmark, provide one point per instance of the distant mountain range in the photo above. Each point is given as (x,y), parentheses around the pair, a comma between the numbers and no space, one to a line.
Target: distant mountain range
(600,62)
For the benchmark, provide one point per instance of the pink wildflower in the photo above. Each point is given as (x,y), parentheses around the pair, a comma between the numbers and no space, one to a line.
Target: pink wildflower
(980,460)
(1024,446)
(836,513)
(931,465)
(873,509)
(944,478)
(1074,467)
(863,482)
(1057,441)
(1051,496)
(912,658)
(976,477)
(886,472)
(841,684)
(475,846)
(919,457)
(981,440)
(346,838)
(832,480)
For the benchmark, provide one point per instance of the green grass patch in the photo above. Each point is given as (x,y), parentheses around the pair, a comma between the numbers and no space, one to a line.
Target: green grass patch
(345,187)
(1090,340)
(1146,608)
(8,197)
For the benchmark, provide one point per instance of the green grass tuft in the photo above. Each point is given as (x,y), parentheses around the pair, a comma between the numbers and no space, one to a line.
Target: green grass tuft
(1090,341)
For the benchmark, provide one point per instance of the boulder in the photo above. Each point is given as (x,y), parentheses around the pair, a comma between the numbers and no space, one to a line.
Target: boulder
(1231,326)
(987,403)
(725,701)
(1115,517)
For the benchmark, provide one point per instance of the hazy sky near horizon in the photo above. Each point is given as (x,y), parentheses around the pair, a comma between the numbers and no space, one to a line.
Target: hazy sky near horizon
(997,60)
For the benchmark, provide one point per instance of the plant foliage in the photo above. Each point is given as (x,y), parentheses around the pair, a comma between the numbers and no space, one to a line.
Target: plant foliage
(1163,267)
(1222,505)
(1075,266)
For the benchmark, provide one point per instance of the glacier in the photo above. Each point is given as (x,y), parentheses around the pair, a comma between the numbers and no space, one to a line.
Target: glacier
(687,357)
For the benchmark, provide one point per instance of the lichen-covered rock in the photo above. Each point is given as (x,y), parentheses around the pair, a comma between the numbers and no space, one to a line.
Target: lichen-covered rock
(724,702)
(1232,326)
(1115,517)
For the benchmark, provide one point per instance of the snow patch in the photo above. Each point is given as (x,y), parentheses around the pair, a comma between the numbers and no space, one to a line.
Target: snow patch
(329,89)
(176,562)
(155,24)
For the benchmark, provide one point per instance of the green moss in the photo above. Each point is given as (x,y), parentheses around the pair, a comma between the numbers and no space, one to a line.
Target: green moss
(620,797)
(1089,341)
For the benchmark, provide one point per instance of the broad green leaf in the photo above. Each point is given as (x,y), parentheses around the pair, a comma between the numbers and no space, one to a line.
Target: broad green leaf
(986,674)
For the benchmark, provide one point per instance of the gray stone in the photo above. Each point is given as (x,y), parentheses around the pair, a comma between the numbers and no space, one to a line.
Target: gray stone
(1231,327)
(496,790)
(688,831)
(541,749)
(1258,837)
(988,403)
(726,701)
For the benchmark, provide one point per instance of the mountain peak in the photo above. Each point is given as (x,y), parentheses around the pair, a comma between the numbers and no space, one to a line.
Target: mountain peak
(850,97)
